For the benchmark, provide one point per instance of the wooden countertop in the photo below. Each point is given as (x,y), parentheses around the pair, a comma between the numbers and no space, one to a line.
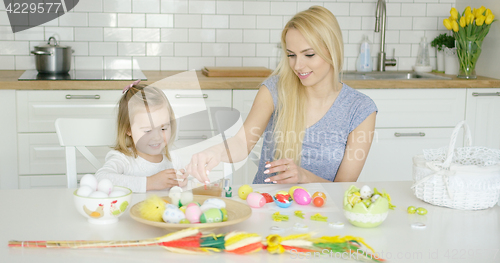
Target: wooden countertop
(8,80)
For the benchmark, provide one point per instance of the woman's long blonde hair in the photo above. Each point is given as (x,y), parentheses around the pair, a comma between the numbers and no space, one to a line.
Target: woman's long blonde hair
(135,98)
(321,29)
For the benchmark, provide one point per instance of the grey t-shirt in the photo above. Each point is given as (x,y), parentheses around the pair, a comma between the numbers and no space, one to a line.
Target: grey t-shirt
(324,142)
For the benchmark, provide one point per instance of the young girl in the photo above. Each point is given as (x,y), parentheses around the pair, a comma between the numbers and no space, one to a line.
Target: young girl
(315,128)
(146,125)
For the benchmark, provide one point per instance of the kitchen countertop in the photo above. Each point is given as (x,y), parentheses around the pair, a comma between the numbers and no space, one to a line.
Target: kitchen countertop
(8,80)
(450,235)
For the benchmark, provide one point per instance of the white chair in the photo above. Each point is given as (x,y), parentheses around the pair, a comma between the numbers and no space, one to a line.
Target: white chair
(80,134)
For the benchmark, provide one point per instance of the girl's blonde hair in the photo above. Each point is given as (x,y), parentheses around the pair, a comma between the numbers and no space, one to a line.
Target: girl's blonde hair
(134,99)
(321,29)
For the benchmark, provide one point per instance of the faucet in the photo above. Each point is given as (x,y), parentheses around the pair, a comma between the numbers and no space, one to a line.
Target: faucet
(380,19)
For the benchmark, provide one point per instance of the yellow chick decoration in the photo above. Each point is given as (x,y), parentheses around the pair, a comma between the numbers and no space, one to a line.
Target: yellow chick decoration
(152,208)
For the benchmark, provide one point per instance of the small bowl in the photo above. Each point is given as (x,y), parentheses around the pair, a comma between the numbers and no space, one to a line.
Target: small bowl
(103,210)
(361,216)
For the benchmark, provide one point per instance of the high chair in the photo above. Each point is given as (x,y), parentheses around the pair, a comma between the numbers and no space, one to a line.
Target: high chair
(80,134)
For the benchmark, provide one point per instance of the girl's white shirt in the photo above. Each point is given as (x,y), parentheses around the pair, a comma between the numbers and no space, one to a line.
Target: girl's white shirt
(131,172)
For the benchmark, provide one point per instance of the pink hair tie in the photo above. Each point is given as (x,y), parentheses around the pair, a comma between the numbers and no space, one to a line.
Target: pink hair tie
(130,86)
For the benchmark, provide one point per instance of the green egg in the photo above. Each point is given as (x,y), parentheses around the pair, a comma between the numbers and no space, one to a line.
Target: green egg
(421,211)
(411,210)
(184,221)
(224,214)
(212,215)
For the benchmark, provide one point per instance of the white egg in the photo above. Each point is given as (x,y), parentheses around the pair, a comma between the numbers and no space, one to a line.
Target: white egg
(84,190)
(205,206)
(173,214)
(105,186)
(98,194)
(90,181)
(117,193)
(218,203)
(365,192)
(375,197)
(186,197)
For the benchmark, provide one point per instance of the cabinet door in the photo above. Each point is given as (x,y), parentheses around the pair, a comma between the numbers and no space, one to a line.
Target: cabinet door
(392,150)
(8,140)
(483,110)
(243,101)
(38,110)
(418,107)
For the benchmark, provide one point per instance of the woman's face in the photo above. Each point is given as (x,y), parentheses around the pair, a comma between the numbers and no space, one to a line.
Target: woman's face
(151,138)
(309,67)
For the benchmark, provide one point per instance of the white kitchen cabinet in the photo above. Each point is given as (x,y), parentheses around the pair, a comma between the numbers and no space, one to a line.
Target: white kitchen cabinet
(483,116)
(243,101)
(8,140)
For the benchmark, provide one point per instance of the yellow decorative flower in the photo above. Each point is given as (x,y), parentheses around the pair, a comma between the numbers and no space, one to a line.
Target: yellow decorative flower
(479,11)
(454,13)
(447,24)
(488,12)
(462,22)
(469,18)
(480,20)
(454,25)
(467,11)
(489,19)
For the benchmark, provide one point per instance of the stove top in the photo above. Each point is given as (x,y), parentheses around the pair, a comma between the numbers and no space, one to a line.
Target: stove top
(122,74)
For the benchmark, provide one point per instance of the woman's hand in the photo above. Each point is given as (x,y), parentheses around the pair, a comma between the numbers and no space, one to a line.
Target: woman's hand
(202,163)
(290,172)
(162,180)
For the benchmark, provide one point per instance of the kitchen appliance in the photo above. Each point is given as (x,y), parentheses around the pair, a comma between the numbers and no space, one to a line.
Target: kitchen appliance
(106,74)
(52,58)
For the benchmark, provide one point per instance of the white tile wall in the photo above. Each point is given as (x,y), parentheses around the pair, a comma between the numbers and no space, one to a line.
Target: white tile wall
(186,34)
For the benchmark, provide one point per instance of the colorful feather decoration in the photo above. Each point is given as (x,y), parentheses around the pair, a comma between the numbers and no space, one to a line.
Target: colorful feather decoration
(192,241)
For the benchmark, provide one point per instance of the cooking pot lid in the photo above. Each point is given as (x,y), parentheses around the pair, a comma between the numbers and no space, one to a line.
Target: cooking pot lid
(55,44)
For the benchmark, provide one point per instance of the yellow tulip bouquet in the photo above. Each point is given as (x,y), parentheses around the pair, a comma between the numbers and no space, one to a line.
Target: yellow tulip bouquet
(469,28)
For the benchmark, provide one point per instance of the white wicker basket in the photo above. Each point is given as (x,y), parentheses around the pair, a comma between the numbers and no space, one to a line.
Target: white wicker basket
(464,178)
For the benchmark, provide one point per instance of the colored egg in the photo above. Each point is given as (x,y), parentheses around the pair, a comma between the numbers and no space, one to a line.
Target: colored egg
(292,189)
(193,213)
(219,203)
(282,204)
(268,197)
(224,214)
(411,210)
(421,211)
(256,200)
(301,196)
(244,190)
(205,207)
(318,201)
(282,193)
(353,199)
(320,194)
(183,208)
(173,215)
(184,221)
(375,197)
(212,215)
(365,192)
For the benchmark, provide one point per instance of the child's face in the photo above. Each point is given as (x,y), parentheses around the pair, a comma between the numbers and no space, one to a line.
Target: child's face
(151,138)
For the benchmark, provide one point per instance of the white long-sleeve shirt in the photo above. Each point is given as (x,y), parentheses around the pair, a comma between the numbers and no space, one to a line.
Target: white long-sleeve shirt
(132,172)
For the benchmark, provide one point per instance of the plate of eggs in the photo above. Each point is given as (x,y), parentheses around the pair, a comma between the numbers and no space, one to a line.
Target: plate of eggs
(182,209)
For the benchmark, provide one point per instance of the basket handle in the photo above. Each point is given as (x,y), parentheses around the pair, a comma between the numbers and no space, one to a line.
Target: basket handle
(453,141)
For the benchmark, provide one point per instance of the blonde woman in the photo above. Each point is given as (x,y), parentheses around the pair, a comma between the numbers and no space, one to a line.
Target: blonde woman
(315,128)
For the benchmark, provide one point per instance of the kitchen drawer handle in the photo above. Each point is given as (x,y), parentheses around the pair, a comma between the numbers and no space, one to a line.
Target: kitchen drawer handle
(203,137)
(476,94)
(189,96)
(415,134)
(83,97)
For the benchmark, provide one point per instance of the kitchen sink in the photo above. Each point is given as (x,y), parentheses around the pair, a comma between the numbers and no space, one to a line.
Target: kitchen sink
(389,75)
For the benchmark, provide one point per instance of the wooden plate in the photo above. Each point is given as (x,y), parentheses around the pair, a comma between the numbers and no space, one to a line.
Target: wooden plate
(236,212)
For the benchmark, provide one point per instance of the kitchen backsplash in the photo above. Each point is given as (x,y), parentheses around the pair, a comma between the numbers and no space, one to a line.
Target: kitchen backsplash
(182,34)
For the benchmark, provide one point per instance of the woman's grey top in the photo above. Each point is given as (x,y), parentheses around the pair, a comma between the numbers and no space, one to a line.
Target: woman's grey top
(324,142)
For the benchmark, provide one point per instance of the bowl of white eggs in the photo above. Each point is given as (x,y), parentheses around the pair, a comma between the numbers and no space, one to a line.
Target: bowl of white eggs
(99,201)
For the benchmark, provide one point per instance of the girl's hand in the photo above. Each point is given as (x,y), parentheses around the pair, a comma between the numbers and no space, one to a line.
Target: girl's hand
(181,177)
(202,163)
(162,180)
(290,172)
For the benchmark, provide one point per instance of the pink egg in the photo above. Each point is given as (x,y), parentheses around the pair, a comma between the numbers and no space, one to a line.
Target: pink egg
(256,200)
(193,214)
(301,197)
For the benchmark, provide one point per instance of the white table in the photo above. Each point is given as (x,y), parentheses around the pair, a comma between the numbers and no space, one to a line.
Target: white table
(450,236)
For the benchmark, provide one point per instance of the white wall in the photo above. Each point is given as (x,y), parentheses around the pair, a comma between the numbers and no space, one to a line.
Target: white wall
(489,60)
(182,34)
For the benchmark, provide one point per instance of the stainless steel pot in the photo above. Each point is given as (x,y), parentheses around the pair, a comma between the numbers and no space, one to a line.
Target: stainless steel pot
(53,58)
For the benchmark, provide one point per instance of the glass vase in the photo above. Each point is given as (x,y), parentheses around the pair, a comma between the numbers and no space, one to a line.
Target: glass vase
(468,52)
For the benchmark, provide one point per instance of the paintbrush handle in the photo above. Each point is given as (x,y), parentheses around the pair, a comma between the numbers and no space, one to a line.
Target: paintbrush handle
(83,244)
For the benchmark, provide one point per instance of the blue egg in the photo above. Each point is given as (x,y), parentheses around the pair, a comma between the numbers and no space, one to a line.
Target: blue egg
(282,205)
